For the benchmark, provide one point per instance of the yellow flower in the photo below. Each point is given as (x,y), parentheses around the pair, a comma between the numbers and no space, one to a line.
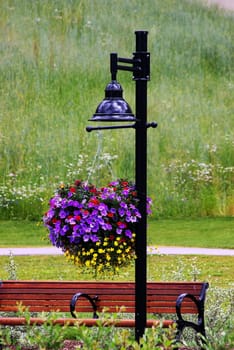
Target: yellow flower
(87,263)
(108,258)
(101,251)
(100,267)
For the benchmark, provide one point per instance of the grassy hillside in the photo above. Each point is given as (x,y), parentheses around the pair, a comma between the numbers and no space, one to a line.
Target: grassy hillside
(54,66)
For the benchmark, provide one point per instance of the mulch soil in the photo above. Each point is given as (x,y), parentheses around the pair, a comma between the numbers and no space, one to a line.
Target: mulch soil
(67,345)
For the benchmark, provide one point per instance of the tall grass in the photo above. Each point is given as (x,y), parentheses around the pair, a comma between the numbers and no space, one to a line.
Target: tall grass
(54,66)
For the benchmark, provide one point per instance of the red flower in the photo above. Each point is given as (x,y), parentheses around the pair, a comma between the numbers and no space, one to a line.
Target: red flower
(85,212)
(72,189)
(94,201)
(121,224)
(78,217)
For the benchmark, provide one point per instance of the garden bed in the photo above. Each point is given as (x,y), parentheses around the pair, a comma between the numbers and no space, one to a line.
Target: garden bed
(70,345)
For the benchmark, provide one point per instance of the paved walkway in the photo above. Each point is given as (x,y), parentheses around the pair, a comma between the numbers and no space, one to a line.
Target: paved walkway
(151,250)
(226,4)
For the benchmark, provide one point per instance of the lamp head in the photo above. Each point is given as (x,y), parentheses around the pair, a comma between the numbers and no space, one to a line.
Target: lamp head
(113,108)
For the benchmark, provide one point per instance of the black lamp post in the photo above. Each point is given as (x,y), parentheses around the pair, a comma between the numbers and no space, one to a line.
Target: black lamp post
(115,109)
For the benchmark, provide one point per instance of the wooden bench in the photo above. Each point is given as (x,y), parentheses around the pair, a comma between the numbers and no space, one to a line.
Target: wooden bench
(84,297)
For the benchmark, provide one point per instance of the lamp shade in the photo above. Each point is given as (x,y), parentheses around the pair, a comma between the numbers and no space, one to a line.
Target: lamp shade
(113,107)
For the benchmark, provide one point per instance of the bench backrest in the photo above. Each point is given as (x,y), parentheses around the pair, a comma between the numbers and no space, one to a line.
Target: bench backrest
(54,295)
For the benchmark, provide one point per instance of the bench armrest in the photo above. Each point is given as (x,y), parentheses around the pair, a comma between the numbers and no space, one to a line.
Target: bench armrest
(200,305)
(92,301)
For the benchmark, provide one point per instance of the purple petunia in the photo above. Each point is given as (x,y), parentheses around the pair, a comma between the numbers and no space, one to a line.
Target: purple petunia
(63,214)
(103,208)
(128,233)
(121,212)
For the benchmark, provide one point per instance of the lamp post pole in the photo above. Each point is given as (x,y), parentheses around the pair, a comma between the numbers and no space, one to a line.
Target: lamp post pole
(141,184)
(114,108)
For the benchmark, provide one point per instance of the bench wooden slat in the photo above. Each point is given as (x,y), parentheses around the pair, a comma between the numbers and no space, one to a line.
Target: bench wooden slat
(54,295)
(89,322)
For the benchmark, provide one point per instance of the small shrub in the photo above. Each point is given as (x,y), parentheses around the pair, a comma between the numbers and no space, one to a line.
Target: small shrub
(11,268)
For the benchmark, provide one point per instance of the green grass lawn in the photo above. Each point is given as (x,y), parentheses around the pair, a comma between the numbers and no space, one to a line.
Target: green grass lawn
(203,232)
(199,232)
(218,270)
(22,234)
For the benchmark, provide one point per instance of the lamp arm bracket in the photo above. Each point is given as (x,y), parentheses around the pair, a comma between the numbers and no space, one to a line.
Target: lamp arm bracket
(111,127)
(128,68)
(139,65)
(135,64)
(128,60)
(152,125)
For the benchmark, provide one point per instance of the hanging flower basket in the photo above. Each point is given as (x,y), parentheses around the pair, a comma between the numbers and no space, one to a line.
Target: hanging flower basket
(95,227)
